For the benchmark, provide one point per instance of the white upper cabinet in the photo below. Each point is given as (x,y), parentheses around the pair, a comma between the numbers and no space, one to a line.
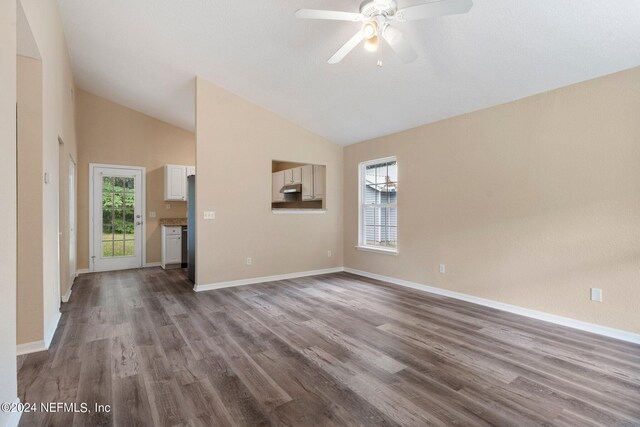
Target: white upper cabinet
(319,182)
(293,176)
(175,182)
(277,182)
(307,182)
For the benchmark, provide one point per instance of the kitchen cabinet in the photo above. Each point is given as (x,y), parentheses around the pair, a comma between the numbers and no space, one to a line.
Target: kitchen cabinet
(313,182)
(175,182)
(307,182)
(310,180)
(319,173)
(171,247)
(277,182)
(293,176)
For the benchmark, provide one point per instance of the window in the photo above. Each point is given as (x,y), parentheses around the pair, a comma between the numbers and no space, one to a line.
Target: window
(378,205)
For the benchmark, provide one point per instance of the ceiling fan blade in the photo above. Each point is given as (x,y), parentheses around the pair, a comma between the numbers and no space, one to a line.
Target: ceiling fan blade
(433,9)
(399,44)
(346,48)
(332,15)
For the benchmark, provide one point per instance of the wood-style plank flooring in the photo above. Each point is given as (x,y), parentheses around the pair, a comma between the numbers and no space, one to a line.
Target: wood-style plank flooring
(328,350)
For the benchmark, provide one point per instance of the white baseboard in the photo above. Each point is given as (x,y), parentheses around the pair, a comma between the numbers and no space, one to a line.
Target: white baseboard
(67,295)
(11,419)
(30,347)
(152,264)
(82,271)
(51,330)
(534,314)
(254,280)
(42,345)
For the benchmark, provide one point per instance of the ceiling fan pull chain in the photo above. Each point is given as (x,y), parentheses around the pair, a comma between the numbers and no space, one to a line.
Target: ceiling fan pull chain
(379,61)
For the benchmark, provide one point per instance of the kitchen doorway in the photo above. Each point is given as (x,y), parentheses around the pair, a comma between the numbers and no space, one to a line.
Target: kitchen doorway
(117,229)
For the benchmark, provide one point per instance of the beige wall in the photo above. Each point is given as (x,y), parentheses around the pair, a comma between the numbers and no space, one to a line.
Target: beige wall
(110,133)
(529,203)
(30,193)
(236,143)
(8,388)
(57,122)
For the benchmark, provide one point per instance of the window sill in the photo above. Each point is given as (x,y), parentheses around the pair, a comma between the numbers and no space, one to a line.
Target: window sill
(378,250)
(285,211)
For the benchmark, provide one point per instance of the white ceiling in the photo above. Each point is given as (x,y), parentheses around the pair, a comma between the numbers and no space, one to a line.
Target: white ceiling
(145,53)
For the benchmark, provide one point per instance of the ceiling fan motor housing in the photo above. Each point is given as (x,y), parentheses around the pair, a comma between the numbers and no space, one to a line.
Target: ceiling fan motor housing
(371,8)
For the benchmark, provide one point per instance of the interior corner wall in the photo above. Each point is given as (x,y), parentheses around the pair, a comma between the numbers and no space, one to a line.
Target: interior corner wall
(8,375)
(58,122)
(110,133)
(30,198)
(529,203)
(236,142)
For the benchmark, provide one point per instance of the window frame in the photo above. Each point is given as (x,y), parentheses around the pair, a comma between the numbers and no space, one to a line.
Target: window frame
(362,244)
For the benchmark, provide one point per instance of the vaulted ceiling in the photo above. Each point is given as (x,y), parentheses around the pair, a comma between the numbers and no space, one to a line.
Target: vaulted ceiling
(145,54)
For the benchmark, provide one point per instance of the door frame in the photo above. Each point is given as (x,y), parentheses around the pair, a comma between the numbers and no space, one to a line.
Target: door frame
(143,170)
(73,192)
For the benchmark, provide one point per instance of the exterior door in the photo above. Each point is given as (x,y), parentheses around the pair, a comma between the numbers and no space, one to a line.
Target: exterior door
(117,230)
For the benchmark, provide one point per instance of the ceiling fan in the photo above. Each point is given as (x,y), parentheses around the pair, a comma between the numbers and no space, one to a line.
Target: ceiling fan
(377,16)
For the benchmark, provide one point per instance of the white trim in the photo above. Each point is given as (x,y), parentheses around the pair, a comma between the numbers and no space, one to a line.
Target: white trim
(284,211)
(30,347)
(143,207)
(378,250)
(51,330)
(14,416)
(67,295)
(362,167)
(254,280)
(534,314)
(82,271)
(73,274)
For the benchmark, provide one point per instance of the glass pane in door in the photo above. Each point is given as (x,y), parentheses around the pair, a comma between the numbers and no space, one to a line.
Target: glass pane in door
(118,216)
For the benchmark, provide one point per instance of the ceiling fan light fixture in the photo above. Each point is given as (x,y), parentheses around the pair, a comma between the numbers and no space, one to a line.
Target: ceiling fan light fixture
(370,30)
(372,44)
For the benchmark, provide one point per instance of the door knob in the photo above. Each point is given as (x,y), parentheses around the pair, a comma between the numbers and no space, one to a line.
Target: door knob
(139,223)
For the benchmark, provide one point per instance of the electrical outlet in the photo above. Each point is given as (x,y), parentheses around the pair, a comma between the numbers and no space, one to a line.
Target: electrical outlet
(167,206)
(596,294)
(248,260)
(442,268)
(328,254)
(209,215)
(152,214)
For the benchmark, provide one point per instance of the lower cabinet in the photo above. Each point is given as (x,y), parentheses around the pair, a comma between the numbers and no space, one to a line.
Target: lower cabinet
(171,247)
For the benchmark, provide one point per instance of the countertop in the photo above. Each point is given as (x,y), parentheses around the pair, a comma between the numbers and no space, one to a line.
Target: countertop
(173,221)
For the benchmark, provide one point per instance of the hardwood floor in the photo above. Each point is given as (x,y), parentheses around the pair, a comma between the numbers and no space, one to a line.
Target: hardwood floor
(328,350)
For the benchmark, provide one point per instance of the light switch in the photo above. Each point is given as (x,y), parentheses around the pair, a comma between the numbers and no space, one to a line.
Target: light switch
(209,215)
(152,214)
